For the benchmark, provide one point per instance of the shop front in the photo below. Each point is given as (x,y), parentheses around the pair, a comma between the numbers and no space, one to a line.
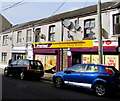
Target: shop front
(57,56)
(111,54)
(50,59)
(18,53)
(53,55)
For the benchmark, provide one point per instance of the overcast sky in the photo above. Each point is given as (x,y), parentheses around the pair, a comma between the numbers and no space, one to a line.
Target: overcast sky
(21,11)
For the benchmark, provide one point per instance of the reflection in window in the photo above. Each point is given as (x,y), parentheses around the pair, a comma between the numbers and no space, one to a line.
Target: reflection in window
(92,69)
(89,28)
(78,68)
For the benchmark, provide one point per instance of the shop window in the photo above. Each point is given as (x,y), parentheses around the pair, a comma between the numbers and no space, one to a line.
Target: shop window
(19,37)
(89,29)
(116,24)
(5,39)
(29,35)
(48,61)
(4,56)
(52,33)
(37,34)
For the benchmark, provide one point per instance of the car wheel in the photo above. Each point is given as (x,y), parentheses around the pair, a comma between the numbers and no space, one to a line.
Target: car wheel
(6,72)
(100,89)
(58,82)
(22,76)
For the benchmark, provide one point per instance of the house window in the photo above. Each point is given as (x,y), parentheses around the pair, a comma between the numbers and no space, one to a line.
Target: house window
(89,28)
(52,33)
(37,34)
(19,37)
(5,39)
(4,56)
(29,35)
(116,24)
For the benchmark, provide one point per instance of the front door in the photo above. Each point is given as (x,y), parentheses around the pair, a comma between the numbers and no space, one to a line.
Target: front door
(76,58)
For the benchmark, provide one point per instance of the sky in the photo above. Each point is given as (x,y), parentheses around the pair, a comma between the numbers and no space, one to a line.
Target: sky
(21,11)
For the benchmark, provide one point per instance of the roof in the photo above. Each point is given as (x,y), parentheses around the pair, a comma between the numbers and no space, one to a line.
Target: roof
(90,10)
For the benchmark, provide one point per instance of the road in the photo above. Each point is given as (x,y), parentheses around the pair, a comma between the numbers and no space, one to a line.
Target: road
(14,89)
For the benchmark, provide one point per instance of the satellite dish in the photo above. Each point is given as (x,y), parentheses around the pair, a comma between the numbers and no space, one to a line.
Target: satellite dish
(77,27)
(66,23)
(71,27)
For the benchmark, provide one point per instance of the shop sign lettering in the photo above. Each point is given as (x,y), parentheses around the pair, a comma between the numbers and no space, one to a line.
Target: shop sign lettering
(106,43)
(65,44)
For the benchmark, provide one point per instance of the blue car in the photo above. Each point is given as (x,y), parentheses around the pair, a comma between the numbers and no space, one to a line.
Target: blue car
(101,79)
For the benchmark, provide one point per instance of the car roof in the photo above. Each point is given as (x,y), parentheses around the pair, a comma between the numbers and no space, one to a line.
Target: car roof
(27,60)
(92,64)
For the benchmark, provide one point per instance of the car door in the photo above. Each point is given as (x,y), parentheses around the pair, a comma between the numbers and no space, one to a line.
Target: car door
(75,75)
(12,67)
(91,73)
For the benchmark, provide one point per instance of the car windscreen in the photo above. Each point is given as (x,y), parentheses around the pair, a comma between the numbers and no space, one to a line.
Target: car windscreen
(36,64)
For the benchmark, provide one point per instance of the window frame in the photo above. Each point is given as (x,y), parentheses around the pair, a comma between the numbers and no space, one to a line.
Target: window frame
(29,35)
(114,23)
(52,33)
(37,34)
(19,36)
(4,56)
(5,40)
(90,26)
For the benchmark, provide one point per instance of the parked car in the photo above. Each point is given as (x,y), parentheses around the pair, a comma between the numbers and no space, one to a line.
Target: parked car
(99,78)
(25,68)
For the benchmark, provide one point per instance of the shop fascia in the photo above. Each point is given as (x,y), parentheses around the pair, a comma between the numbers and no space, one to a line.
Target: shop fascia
(76,44)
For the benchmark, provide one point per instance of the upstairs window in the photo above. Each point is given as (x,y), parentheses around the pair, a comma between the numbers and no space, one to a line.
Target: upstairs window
(37,34)
(52,33)
(5,39)
(89,28)
(4,56)
(19,37)
(29,35)
(116,24)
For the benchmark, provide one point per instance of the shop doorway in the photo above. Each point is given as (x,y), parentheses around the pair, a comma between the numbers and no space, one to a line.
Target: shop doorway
(18,56)
(76,58)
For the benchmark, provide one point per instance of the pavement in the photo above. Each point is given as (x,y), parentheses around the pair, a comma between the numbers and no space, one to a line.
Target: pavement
(47,76)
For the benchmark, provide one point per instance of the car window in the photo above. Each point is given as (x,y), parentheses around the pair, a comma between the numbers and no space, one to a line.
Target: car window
(14,63)
(20,62)
(78,68)
(92,69)
(25,63)
(36,64)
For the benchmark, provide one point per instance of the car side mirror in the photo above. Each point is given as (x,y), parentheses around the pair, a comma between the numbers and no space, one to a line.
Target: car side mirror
(67,72)
(10,64)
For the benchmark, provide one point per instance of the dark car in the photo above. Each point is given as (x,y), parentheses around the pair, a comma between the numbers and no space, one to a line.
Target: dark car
(99,78)
(25,68)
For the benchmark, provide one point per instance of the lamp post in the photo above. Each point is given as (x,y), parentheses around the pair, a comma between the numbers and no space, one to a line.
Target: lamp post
(100,48)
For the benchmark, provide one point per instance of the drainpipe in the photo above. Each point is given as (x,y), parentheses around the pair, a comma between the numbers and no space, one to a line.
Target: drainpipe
(62,34)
